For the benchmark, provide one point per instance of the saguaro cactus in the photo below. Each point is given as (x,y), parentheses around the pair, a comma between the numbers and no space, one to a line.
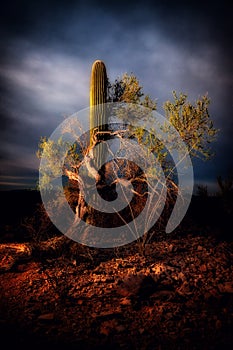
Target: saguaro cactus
(98,89)
(98,117)
(98,124)
(98,96)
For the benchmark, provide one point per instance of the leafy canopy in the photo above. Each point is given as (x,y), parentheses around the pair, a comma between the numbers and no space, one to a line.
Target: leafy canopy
(192,121)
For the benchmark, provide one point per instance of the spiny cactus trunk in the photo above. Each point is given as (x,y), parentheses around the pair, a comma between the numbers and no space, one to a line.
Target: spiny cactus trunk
(98,119)
(98,89)
(98,96)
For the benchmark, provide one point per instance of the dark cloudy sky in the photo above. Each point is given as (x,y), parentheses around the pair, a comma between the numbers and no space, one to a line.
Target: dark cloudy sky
(48,47)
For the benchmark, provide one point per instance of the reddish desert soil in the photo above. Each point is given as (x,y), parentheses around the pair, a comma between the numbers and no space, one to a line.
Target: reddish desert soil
(177,296)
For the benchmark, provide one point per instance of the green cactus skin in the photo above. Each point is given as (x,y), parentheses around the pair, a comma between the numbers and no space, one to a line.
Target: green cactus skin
(98,122)
(98,88)
(98,96)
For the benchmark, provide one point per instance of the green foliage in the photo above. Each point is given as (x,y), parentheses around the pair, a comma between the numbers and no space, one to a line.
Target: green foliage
(127,89)
(193,123)
(51,151)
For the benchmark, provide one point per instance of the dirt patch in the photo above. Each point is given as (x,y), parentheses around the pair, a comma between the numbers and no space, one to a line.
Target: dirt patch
(178,296)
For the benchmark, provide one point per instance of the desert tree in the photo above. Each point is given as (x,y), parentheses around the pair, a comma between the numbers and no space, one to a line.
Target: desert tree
(191,120)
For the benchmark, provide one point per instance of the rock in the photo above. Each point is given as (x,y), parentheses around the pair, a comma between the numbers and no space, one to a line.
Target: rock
(203,268)
(226,287)
(11,253)
(125,301)
(137,285)
(21,250)
(46,317)
(53,246)
(6,263)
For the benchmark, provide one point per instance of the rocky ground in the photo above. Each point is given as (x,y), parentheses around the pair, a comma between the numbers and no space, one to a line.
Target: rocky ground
(177,295)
